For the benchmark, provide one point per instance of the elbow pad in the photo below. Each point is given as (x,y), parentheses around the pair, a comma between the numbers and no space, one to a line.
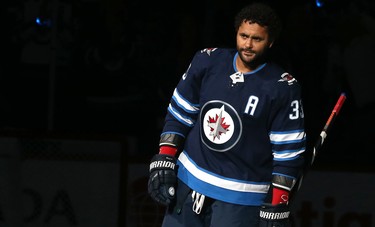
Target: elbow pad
(173,140)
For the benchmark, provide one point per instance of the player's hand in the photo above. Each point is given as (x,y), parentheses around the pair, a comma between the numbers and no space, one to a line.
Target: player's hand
(274,215)
(162,181)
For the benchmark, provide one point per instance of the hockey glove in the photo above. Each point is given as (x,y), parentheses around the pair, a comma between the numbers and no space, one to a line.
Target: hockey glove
(162,180)
(274,215)
(275,211)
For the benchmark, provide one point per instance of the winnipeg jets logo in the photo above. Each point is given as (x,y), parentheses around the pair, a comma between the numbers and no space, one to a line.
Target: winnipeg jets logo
(208,51)
(217,125)
(288,78)
(221,126)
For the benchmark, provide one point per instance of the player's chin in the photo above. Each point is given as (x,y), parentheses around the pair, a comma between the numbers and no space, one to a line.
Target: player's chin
(248,58)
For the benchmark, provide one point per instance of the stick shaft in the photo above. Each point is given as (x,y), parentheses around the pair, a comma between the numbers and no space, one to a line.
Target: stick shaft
(328,125)
(335,111)
(323,134)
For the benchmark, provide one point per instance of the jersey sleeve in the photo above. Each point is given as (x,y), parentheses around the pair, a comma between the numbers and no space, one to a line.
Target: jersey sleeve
(287,134)
(184,108)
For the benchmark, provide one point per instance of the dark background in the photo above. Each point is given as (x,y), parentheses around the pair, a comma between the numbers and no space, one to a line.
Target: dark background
(104,70)
(108,68)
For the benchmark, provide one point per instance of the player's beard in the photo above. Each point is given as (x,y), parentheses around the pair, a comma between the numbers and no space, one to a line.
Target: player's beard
(252,61)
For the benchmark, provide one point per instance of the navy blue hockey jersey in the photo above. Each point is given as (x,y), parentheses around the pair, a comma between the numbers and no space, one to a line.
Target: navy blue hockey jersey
(239,129)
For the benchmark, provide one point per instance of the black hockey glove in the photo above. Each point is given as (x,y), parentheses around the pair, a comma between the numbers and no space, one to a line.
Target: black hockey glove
(162,181)
(274,215)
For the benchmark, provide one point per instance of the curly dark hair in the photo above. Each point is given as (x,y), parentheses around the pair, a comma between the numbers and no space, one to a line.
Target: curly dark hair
(261,14)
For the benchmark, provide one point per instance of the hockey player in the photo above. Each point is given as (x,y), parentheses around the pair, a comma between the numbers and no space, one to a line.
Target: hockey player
(232,144)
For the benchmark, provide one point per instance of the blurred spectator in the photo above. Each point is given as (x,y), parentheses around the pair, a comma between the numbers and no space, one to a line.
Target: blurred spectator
(350,63)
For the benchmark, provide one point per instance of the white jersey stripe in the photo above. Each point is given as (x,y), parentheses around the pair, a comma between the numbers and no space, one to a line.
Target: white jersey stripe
(285,137)
(183,103)
(284,156)
(227,183)
(178,116)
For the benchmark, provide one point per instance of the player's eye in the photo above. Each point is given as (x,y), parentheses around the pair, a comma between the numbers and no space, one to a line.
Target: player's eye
(244,36)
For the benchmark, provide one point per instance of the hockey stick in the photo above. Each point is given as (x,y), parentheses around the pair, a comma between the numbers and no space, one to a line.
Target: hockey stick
(328,126)
(324,133)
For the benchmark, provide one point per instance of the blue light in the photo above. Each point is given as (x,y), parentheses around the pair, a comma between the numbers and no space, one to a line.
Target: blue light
(319,3)
(37,20)
(43,23)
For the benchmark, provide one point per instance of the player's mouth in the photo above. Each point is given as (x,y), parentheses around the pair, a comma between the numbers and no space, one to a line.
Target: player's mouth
(248,53)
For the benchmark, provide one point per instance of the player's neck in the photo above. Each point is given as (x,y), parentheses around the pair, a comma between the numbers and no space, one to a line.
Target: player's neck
(247,67)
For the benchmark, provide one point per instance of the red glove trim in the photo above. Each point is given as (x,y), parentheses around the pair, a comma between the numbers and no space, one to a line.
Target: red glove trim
(168,150)
(279,196)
